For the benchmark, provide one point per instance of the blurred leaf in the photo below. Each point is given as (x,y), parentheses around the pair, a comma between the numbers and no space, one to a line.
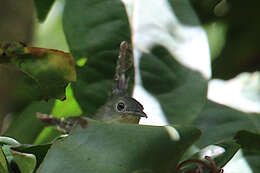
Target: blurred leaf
(51,69)
(26,127)
(184,12)
(102,148)
(15,94)
(219,123)
(241,52)
(216,33)
(42,8)
(252,158)
(94,30)
(39,151)
(168,71)
(3,162)
(205,9)
(17,20)
(249,141)
(25,162)
(180,90)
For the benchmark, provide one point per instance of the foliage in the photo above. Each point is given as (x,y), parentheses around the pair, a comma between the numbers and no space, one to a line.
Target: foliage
(33,78)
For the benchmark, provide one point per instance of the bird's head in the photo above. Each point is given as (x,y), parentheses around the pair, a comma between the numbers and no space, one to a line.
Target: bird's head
(121,109)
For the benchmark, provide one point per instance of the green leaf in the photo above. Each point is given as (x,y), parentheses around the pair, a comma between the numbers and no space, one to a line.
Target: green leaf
(218,122)
(249,141)
(169,72)
(180,90)
(205,9)
(118,148)
(21,157)
(52,70)
(25,162)
(26,127)
(94,30)
(39,151)
(3,162)
(42,8)
(8,141)
(184,12)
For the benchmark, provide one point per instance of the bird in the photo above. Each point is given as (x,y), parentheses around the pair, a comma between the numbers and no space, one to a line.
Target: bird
(122,109)
(119,107)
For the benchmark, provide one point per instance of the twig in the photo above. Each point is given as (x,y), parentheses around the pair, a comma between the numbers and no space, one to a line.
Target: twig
(64,125)
(210,165)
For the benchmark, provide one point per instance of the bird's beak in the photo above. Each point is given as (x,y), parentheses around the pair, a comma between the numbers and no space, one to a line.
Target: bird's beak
(141,114)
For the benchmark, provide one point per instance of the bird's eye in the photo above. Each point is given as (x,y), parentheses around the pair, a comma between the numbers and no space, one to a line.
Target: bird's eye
(120,106)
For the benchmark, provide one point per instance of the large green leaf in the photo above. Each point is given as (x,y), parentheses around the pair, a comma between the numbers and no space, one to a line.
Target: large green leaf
(118,148)
(218,122)
(94,30)
(180,90)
